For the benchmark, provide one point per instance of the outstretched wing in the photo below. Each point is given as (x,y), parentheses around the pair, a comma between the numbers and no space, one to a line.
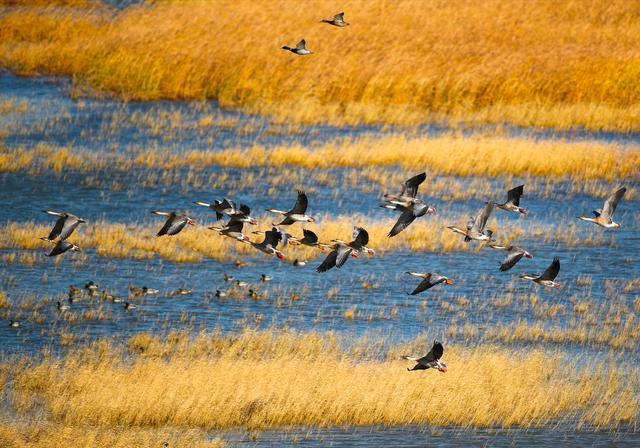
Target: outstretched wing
(410,186)
(309,237)
(272,237)
(481,220)
(302,45)
(611,203)
(60,248)
(245,210)
(360,236)
(423,286)
(342,256)
(339,17)
(513,256)
(69,226)
(301,203)
(514,195)
(434,354)
(406,218)
(552,271)
(57,228)
(167,225)
(329,262)
(234,226)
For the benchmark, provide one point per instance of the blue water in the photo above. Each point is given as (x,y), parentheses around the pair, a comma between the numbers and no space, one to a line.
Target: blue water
(384,310)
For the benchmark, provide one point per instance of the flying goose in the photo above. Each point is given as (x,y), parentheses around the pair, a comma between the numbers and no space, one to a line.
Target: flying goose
(512,203)
(431,360)
(341,250)
(309,239)
(475,227)
(61,247)
(604,215)
(417,209)
(338,20)
(287,238)
(268,245)
(514,254)
(548,277)
(233,229)
(408,193)
(224,207)
(297,214)
(64,226)
(174,224)
(431,279)
(299,49)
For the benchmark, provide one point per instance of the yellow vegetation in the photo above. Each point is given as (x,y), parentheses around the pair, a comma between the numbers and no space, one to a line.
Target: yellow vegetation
(263,380)
(450,155)
(549,64)
(194,243)
(45,435)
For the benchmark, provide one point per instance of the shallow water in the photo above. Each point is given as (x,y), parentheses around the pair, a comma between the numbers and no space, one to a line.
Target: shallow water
(383,309)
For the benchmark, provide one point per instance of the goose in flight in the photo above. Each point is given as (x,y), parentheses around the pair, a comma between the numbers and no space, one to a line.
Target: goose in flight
(309,239)
(338,20)
(233,229)
(268,245)
(475,227)
(229,208)
(415,210)
(64,226)
(61,247)
(408,193)
(512,203)
(548,277)
(604,216)
(300,48)
(514,254)
(297,214)
(429,361)
(431,279)
(341,250)
(174,224)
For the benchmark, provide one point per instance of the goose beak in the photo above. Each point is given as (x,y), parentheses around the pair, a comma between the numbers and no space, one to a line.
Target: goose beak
(253,222)
(190,222)
(448,282)
(442,369)
(431,210)
(528,255)
(616,226)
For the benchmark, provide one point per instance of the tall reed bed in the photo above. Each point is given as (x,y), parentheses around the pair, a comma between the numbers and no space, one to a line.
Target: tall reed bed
(549,64)
(276,379)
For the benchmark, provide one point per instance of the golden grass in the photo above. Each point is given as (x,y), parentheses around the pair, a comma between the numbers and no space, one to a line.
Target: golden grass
(269,379)
(46,435)
(449,155)
(429,234)
(549,64)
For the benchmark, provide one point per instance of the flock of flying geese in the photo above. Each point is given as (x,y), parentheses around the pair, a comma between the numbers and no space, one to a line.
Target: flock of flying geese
(406,203)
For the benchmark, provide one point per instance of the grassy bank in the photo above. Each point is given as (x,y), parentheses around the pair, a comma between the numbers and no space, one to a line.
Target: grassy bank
(549,64)
(275,379)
